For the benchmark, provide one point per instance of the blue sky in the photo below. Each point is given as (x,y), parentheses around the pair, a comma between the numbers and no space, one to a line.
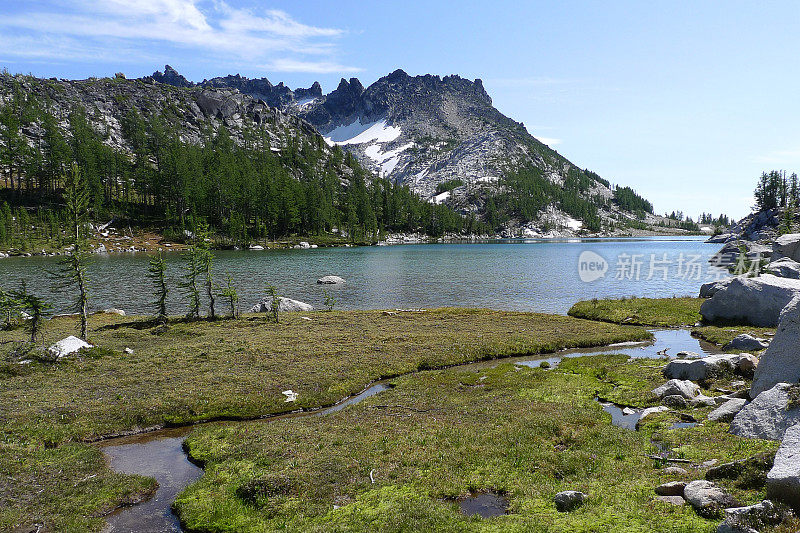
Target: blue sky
(687,102)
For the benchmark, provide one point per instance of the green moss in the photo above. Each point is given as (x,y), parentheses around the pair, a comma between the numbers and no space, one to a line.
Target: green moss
(660,312)
(436,436)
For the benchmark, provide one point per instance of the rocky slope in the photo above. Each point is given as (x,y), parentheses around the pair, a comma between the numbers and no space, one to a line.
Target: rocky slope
(440,136)
(189,109)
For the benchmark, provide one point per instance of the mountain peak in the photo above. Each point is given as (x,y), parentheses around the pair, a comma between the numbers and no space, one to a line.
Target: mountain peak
(170,76)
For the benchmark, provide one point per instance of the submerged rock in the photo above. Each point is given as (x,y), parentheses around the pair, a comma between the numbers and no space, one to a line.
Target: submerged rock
(781,362)
(569,500)
(768,416)
(757,301)
(67,346)
(783,481)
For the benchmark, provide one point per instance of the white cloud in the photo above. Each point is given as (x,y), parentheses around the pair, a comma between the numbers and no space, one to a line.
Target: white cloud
(84,29)
(549,141)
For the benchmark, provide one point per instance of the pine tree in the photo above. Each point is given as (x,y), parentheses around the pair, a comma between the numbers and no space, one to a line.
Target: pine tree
(73,266)
(36,308)
(157,274)
(192,268)
(229,293)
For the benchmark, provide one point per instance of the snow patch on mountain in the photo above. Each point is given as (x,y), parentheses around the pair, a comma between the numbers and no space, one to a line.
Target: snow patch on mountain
(441,198)
(358,133)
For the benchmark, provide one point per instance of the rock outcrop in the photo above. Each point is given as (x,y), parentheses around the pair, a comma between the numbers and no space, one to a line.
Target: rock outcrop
(784,268)
(783,481)
(757,301)
(786,246)
(780,363)
(728,410)
(677,387)
(768,416)
(709,367)
(746,342)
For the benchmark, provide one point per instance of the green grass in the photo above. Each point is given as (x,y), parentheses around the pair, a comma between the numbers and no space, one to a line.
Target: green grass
(659,312)
(722,335)
(440,435)
(231,369)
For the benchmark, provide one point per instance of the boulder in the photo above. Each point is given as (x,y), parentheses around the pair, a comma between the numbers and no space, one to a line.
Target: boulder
(702,401)
(330,280)
(114,311)
(675,471)
(707,290)
(286,304)
(783,481)
(709,367)
(684,388)
(674,400)
(726,411)
(746,342)
(781,362)
(256,247)
(786,246)
(750,519)
(67,346)
(688,355)
(767,416)
(673,500)
(757,301)
(707,498)
(673,488)
(784,268)
(569,500)
(649,411)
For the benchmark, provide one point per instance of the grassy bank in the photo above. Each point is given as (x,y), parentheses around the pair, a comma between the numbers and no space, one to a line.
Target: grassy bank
(225,369)
(440,436)
(662,312)
(659,312)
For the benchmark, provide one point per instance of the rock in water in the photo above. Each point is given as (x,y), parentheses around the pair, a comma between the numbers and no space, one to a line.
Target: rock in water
(569,500)
(67,346)
(707,498)
(784,268)
(756,301)
(286,304)
(767,416)
(726,411)
(330,280)
(781,362)
(783,481)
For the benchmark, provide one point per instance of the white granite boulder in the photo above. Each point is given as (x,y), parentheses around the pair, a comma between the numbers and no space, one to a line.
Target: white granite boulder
(781,362)
(784,268)
(787,245)
(767,416)
(285,304)
(783,481)
(684,388)
(746,342)
(707,498)
(757,301)
(726,411)
(67,346)
(330,280)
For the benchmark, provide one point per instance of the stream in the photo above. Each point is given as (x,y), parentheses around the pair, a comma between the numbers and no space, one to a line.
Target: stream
(159,454)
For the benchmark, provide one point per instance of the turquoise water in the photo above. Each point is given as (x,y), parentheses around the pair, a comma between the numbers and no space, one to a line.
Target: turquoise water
(517,275)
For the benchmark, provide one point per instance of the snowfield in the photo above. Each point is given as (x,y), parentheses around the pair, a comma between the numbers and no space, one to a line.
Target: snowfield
(440,198)
(358,133)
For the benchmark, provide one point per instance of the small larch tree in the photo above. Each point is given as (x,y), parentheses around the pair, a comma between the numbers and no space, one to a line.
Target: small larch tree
(157,272)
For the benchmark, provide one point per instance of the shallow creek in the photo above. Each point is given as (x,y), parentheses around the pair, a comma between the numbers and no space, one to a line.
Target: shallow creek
(159,454)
